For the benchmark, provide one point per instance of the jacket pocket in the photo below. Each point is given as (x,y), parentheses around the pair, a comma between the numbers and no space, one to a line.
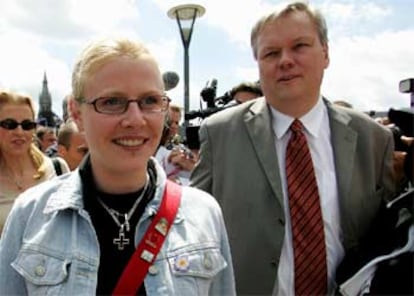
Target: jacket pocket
(43,273)
(194,270)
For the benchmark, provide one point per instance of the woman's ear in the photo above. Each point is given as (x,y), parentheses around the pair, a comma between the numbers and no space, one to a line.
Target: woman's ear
(75,112)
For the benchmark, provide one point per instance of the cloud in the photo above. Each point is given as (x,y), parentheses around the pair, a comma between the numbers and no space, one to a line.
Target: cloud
(354,11)
(367,70)
(23,63)
(66,19)
(236,18)
(164,51)
(369,55)
(233,17)
(38,36)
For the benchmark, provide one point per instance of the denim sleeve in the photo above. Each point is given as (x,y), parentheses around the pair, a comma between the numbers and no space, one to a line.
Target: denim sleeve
(11,283)
(224,282)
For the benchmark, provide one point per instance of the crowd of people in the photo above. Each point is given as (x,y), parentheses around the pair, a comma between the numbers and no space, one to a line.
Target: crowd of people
(290,193)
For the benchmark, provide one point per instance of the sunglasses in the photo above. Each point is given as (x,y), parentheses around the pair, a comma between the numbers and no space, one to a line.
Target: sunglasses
(11,124)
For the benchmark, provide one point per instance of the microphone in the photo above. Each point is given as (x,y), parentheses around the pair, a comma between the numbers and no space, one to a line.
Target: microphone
(170,80)
(212,83)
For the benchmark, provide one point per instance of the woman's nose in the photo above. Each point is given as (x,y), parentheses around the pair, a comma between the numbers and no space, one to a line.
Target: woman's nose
(133,115)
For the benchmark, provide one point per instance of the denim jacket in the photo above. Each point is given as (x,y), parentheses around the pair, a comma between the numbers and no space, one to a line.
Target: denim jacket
(49,245)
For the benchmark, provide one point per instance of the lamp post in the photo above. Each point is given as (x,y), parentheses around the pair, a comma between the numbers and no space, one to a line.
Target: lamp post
(185,15)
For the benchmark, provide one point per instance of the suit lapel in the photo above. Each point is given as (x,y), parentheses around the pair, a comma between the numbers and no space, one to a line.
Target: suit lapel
(344,140)
(259,126)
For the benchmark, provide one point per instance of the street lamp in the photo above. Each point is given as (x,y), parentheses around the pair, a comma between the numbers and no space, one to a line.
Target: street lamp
(186,15)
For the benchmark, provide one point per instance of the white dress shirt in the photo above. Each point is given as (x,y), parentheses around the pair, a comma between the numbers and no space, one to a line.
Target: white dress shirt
(360,283)
(318,135)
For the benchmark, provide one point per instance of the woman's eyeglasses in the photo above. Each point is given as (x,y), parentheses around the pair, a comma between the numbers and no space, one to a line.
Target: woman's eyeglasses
(11,124)
(119,105)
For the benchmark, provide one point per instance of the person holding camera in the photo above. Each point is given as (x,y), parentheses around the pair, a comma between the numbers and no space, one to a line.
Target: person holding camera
(301,181)
(116,225)
(404,146)
(176,159)
(386,263)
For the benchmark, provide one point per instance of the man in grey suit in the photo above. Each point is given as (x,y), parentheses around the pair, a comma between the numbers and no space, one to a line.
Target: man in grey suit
(242,157)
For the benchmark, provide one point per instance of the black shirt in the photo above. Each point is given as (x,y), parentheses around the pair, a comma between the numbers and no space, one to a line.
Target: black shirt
(112,259)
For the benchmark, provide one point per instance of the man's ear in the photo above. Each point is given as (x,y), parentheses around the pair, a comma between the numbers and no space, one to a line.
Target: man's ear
(326,53)
(61,150)
(75,112)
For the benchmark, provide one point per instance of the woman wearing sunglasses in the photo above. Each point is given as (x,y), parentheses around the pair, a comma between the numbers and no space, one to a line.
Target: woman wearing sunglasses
(22,164)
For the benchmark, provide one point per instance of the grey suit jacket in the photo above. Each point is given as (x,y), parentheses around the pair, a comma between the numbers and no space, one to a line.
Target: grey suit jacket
(238,166)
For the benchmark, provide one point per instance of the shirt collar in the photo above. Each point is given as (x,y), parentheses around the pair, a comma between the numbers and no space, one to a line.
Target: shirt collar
(311,121)
(71,189)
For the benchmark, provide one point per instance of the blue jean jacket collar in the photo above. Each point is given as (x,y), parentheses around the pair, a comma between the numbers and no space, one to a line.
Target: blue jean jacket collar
(71,189)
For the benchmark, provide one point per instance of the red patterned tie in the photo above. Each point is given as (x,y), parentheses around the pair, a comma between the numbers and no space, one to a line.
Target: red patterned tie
(305,211)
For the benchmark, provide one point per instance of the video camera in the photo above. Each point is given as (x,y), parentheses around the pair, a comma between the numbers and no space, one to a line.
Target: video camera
(214,104)
(403,121)
(407,86)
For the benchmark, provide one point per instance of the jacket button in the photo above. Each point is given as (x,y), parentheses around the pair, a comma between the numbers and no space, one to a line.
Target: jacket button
(281,221)
(207,262)
(40,270)
(153,270)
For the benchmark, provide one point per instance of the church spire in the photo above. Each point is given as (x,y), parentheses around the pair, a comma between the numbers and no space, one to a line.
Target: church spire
(45,100)
(46,115)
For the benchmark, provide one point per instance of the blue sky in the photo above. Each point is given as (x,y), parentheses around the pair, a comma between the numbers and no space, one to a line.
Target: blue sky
(371,44)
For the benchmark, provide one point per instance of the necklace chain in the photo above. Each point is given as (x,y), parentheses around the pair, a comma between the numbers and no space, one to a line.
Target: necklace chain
(13,179)
(124,225)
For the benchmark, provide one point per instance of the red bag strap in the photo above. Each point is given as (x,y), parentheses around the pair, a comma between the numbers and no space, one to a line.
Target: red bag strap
(134,273)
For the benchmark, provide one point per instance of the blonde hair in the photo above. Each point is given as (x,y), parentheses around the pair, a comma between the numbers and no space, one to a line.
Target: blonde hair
(99,53)
(14,98)
(315,15)
(175,108)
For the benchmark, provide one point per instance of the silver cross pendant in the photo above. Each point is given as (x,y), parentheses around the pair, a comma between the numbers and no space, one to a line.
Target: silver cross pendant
(121,241)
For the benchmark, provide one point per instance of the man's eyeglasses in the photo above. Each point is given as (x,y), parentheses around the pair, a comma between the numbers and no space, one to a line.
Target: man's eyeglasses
(11,124)
(119,105)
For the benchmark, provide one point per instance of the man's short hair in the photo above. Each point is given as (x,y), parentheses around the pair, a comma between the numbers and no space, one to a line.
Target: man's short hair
(315,15)
(252,87)
(65,133)
(44,130)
